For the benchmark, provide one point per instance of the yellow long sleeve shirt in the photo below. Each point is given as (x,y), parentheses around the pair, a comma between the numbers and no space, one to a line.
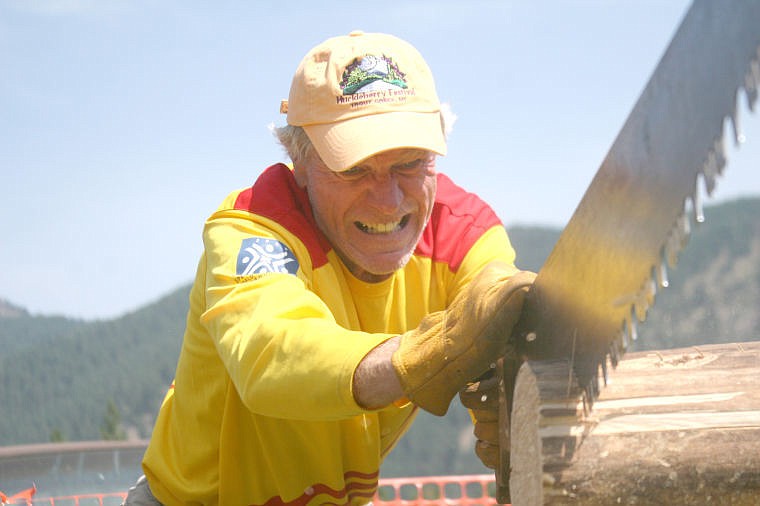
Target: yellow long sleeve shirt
(261,411)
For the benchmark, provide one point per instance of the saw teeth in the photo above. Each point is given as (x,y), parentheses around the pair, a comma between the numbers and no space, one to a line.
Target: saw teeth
(752,81)
(615,352)
(633,332)
(736,127)
(662,272)
(677,239)
(699,214)
(719,147)
(713,166)
(620,345)
(645,299)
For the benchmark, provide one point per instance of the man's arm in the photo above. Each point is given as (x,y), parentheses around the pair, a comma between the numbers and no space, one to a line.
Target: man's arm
(376,384)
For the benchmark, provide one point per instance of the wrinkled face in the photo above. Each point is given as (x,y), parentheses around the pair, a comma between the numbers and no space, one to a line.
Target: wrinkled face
(373,214)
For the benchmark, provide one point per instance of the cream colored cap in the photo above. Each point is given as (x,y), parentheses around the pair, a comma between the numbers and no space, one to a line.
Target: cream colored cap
(363,93)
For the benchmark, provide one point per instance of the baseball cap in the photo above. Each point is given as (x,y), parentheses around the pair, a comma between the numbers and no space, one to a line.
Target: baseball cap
(362,93)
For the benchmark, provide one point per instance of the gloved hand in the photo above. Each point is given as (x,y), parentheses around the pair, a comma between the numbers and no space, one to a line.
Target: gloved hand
(482,399)
(456,345)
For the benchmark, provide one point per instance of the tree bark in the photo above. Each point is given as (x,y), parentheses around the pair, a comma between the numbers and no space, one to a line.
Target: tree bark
(671,427)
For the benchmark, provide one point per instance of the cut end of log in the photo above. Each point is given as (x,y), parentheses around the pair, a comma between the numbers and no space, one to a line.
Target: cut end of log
(672,427)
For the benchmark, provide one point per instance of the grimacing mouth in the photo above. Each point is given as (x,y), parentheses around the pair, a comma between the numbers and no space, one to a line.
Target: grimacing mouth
(383,228)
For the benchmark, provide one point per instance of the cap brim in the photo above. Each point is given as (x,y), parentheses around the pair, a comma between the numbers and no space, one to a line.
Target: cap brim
(344,144)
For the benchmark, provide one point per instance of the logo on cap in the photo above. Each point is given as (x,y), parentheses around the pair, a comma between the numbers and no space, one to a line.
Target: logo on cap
(372,73)
(260,255)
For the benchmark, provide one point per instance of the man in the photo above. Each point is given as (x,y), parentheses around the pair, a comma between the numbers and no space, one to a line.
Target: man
(333,298)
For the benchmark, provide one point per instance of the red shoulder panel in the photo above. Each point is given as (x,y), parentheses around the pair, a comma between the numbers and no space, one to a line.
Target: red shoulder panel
(458,220)
(275,195)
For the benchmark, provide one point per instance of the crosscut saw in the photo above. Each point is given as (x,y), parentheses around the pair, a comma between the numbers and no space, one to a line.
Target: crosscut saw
(634,219)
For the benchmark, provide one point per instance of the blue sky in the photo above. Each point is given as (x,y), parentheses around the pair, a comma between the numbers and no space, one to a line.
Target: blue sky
(123,123)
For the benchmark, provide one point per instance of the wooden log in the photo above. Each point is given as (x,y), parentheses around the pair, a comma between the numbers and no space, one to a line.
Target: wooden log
(675,427)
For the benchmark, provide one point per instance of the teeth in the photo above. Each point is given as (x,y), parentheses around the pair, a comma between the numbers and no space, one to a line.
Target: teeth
(379,228)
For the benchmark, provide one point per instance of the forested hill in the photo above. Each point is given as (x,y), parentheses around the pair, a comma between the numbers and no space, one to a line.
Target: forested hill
(60,378)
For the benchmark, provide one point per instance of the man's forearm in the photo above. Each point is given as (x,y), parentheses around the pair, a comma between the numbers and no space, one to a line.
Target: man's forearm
(375,381)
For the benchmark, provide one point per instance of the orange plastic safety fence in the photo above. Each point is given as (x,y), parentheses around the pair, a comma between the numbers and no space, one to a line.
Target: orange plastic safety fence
(110,499)
(465,490)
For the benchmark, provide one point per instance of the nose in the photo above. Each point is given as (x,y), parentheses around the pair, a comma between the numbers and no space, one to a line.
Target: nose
(385,193)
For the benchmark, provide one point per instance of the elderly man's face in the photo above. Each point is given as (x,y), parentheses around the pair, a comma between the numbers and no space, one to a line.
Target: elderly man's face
(373,214)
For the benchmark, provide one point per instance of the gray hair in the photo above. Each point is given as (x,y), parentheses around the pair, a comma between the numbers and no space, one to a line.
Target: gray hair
(296,143)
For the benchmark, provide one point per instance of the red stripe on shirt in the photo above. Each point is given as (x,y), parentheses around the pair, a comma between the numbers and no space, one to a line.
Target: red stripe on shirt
(353,489)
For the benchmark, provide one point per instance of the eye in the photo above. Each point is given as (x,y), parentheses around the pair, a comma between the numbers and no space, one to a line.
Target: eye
(353,173)
(410,166)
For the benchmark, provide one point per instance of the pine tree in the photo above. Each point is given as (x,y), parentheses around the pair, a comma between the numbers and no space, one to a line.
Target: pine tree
(111,429)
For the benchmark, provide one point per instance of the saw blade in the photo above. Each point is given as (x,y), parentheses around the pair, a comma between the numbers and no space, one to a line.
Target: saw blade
(612,258)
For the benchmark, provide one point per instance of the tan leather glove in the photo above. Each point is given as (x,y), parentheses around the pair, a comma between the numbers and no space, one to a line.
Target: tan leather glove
(482,399)
(454,346)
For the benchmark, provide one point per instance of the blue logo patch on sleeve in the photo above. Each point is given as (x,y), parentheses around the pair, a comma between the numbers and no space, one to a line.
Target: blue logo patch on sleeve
(259,255)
